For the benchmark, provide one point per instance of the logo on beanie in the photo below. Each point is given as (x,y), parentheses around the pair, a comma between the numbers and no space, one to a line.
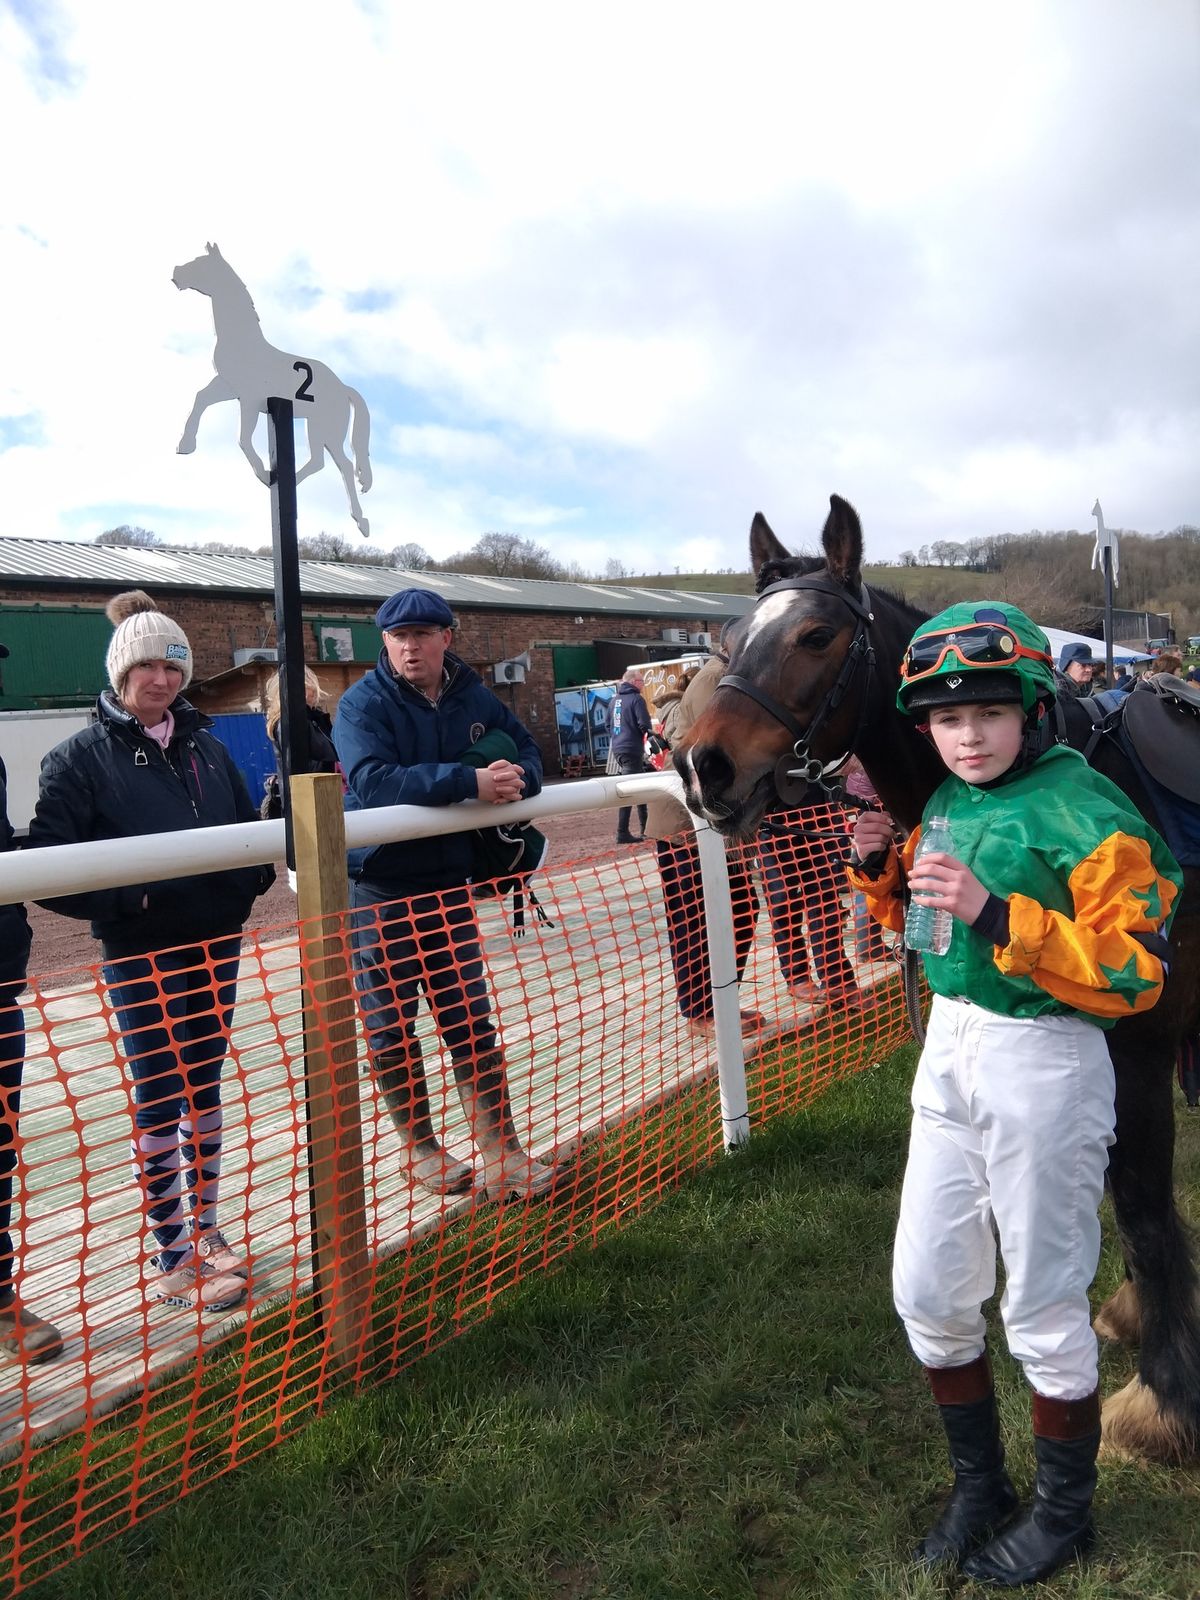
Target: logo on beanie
(176,652)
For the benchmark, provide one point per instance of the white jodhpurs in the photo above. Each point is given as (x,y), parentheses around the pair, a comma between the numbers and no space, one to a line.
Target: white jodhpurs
(1011,1126)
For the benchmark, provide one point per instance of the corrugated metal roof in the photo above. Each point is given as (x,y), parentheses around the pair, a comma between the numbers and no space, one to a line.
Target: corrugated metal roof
(57,561)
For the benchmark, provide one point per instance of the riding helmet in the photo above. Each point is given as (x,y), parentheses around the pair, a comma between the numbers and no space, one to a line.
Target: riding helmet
(977,651)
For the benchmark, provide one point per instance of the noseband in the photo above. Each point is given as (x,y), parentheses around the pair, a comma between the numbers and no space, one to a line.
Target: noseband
(802,765)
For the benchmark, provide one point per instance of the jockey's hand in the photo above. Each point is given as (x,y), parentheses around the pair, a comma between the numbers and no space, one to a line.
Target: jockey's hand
(938,880)
(873,831)
(501,782)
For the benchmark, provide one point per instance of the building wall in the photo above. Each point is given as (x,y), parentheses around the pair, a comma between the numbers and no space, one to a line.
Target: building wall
(218,624)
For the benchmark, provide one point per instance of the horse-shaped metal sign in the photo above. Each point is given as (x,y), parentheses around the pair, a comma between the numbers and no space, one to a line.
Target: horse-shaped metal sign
(249,370)
(818,667)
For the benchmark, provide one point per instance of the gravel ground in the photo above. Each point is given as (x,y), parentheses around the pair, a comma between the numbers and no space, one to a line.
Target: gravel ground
(62,942)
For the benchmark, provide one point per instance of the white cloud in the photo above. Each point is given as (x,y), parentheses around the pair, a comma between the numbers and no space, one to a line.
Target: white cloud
(615,279)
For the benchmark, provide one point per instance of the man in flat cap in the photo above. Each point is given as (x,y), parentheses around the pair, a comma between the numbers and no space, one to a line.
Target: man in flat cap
(1076,667)
(402,733)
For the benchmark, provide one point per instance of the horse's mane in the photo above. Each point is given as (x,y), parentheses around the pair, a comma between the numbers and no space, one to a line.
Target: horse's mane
(802,566)
(238,290)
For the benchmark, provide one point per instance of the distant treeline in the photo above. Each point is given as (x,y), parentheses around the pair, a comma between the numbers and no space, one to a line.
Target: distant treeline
(1051,575)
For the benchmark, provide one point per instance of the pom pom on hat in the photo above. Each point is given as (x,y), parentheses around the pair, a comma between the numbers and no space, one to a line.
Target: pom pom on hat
(143,633)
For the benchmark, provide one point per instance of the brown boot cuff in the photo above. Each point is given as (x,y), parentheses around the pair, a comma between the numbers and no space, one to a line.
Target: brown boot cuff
(1066,1419)
(961,1386)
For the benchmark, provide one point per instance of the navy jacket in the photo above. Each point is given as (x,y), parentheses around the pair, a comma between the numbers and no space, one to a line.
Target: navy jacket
(397,749)
(15,937)
(110,781)
(628,720)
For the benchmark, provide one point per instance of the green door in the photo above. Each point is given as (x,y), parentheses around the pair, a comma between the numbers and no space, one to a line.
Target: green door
(56,656)
(575,664)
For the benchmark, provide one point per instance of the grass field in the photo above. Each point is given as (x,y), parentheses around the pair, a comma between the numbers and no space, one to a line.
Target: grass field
(716,1402)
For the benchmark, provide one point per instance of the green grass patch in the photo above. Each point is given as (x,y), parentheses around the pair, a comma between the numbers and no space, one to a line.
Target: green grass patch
(716,1401)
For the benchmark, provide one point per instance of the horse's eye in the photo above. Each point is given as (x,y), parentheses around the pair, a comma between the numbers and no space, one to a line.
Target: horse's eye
(818,639)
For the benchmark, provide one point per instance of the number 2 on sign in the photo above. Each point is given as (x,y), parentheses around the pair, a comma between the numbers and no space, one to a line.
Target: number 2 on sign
(302,392)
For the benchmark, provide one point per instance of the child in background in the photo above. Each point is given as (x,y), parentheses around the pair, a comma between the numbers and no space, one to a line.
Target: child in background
(1061,895)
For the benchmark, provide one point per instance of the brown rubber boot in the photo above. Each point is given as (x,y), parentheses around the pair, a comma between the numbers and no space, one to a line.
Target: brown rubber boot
(26,1337)
(401,1078)
(509,1171)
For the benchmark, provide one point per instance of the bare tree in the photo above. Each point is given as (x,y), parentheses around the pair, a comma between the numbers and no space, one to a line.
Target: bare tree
(142,537)
(412,557)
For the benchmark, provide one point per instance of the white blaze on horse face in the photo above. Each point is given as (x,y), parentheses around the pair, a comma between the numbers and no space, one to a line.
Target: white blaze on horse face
(250,371)
(767,612)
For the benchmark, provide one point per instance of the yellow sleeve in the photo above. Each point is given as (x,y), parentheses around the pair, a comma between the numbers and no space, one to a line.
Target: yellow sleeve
(885,893)
(1089,960)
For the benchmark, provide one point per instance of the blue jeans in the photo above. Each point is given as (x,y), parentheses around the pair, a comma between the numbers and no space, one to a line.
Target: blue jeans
(12,1060)
(174,1009)
(429,944)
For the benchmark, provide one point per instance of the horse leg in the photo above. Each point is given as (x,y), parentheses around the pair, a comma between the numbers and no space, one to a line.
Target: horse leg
(212,394)
(246,440)
(1157,1414)
(342,462)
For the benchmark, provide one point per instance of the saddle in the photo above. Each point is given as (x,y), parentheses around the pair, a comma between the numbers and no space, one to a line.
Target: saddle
(1162,721)
(1157,724)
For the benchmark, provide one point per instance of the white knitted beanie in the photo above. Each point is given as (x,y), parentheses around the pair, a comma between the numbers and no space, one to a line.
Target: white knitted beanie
(143,633)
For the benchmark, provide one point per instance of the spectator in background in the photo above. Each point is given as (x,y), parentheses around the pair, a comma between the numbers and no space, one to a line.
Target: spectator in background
(24,1336)
(670,826)
(149,764)
(1168,661)
(322,757)
(1123,680)
(803,855)
(628,725)
(1076,665)
(402,733)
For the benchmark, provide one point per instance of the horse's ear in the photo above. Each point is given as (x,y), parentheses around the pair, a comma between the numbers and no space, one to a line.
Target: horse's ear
(764,546)
(842,542)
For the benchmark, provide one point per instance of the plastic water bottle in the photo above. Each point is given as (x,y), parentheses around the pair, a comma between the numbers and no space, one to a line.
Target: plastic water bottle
(929,928)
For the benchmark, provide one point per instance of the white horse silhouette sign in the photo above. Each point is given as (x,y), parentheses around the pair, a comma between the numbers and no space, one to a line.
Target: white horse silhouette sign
(249,370)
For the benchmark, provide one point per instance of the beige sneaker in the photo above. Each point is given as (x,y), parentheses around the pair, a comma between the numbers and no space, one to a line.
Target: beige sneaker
(194,1283)
(211,1245)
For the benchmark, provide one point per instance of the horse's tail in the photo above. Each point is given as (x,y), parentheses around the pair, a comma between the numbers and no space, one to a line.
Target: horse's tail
(360,438)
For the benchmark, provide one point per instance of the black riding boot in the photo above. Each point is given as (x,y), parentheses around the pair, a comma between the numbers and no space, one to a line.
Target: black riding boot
(1058,1525)
(982,1498)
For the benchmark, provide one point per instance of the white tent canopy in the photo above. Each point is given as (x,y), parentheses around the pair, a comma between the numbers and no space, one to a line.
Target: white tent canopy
(1121,654)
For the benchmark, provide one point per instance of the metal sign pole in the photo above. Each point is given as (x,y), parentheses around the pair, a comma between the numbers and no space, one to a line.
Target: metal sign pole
(1108,618)
(289,628)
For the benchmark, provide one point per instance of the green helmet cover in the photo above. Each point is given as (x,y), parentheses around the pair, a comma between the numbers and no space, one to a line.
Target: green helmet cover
(1036,678)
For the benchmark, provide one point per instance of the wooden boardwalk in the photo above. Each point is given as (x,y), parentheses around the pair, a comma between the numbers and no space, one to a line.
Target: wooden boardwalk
(590,1030)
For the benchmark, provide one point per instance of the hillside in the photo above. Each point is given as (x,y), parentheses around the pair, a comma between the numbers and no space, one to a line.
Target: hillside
(1050,575)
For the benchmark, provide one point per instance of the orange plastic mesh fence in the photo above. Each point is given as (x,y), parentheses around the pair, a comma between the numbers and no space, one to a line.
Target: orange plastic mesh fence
(461,1106)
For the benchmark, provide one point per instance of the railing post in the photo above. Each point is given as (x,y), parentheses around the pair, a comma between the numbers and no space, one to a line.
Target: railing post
(341,1264)
(722,958)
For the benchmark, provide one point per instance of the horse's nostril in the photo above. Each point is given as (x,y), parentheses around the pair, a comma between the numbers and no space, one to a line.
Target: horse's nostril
(713,768)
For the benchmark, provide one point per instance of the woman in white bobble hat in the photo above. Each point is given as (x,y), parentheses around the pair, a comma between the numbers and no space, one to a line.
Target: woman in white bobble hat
(148,764)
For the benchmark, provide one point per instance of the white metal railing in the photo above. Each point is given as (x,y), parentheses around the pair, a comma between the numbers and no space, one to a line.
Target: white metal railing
(44,874)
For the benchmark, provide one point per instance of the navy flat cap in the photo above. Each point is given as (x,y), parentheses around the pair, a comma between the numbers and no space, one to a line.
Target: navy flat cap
(1076,651)
(414,608)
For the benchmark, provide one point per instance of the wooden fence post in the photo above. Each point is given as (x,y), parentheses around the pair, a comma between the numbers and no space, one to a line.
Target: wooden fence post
(341,1264)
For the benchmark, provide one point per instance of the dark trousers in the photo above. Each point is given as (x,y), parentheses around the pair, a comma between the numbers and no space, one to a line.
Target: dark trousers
(174,1009)
(12,1060)
(687,931)
(629,762)
(803,871)
(402,948)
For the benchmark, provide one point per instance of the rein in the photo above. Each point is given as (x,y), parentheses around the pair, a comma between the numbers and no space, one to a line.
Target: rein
(808,768)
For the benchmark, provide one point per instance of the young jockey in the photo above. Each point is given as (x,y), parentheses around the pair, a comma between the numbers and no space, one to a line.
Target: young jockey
(1061,896)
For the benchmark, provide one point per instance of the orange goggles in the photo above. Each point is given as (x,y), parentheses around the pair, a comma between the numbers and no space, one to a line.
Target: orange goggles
(983,644)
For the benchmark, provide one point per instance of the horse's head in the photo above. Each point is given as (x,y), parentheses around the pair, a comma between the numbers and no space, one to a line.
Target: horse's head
(205,273)
(798,665)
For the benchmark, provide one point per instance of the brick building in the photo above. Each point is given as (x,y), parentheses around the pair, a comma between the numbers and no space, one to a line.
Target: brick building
(53,593)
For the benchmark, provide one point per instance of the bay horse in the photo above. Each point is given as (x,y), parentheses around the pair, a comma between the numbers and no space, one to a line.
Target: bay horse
(249,370)
(812,677)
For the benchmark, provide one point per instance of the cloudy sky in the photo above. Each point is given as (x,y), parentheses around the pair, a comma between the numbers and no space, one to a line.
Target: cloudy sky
(612,277)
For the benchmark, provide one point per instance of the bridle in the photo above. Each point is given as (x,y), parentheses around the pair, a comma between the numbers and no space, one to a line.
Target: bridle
(801,764)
